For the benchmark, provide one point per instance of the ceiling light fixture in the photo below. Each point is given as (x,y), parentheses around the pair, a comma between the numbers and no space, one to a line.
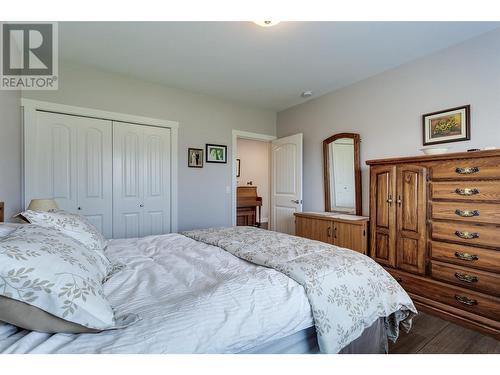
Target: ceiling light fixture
(266,23)
(306,94)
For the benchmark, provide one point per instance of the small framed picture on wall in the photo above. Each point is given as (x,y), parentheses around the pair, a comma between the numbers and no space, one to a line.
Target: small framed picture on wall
(195,158)
(449,125)
(216,153)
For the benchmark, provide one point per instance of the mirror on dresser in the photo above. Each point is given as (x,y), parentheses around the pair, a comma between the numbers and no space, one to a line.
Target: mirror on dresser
(342,173)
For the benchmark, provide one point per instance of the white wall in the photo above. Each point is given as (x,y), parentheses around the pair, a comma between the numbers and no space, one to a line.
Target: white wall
(204,194)
(10,152)
(255,166)
(386,109)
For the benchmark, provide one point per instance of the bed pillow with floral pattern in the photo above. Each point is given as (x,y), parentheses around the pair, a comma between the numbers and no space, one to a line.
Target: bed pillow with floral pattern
(72,225)
(50,278)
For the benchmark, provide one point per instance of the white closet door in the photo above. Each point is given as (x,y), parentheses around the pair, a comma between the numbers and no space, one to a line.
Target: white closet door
(156,175)
(95,193)
(141,180)
(68,158)
(127,180)
(51,168)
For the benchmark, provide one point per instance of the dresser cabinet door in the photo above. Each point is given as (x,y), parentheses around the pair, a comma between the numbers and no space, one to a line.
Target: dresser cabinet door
(350,236)
(411,217)
(383,214)
(314,229)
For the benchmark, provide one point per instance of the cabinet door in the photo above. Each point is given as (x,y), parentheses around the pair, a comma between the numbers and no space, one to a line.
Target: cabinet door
(383,214)
(350,236)
(411,222)
(314,229)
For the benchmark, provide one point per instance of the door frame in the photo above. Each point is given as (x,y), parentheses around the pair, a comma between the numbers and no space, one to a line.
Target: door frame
(234,155)
(30,106)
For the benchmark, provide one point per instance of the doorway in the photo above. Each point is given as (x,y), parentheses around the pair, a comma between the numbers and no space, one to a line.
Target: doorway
(251,176)
(284,168)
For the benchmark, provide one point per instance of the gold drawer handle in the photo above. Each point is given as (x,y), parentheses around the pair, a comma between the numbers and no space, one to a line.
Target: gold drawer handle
(468,170)
(467,213)
(465,301)
(466,256)
(466,235)
(467,191)
(466,278)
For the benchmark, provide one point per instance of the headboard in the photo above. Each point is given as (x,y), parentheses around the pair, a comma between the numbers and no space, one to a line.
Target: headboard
(1,212)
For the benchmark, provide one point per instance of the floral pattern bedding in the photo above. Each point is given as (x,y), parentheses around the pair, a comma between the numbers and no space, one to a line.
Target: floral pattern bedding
(347,290)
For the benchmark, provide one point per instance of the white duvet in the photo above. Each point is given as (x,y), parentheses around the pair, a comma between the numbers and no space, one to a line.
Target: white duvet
(191,298)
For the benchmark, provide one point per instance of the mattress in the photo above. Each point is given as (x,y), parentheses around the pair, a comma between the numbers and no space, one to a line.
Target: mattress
(190,297)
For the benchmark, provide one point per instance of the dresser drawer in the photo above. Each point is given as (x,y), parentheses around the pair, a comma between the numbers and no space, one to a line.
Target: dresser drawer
(480,168)
(468,256)
(469,278)
(464,299)
(466,190)
(467,233)
(466,211)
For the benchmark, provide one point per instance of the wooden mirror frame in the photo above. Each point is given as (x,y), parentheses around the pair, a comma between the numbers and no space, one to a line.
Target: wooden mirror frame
(357,170)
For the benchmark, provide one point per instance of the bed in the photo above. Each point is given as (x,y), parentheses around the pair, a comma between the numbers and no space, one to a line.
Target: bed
(194,297)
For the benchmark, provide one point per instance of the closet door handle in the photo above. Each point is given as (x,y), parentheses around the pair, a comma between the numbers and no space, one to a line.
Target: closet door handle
(399,200)
(79,208)
(141,205)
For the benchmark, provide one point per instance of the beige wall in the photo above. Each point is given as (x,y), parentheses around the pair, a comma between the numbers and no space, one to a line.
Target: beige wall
(386,109)
(10,152)
(204,194)
(255,167)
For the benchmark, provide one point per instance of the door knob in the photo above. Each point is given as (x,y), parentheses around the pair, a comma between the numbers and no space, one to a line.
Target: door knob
(141,205)
(79,208)
(296,201)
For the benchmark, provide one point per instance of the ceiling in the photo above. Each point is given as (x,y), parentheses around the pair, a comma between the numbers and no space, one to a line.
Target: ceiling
(263,67)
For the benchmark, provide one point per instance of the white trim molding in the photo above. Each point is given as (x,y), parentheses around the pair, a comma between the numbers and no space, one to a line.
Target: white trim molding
(29,108)
(234,155)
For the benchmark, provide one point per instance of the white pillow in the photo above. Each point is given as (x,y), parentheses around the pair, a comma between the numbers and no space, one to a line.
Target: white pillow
(8,228)
(44,268)
(72,225)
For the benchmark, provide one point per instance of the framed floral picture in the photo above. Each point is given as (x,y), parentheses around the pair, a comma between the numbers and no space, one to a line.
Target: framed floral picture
(216,153)
(450,125)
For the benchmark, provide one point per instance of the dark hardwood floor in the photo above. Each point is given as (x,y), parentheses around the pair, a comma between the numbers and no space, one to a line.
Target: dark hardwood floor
(432,335)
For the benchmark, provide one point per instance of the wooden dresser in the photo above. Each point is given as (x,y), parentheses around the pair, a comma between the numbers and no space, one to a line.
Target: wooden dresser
(339,231)
(435,226)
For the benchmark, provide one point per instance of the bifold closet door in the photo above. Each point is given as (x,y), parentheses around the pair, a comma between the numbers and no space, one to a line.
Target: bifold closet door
(141,180)
(68,158)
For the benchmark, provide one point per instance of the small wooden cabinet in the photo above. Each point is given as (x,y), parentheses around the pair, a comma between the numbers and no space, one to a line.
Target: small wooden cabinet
(349,233)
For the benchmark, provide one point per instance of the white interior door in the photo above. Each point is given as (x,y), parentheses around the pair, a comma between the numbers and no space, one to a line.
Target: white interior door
(127,180)
(141,180)
(95,180)
(286,182)
(68,158)
(156,176)
(51,159)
